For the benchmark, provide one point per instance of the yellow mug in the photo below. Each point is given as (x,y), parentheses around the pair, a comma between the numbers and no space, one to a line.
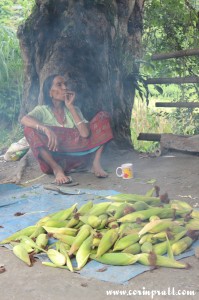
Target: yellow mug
(125,171)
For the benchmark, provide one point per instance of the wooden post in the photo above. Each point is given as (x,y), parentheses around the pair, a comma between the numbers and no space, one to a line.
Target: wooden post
(175,54)
(155,137)
(177,104)
(175,80)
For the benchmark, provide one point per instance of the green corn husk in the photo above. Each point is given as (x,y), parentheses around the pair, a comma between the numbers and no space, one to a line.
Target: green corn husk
(147,247)
(99,208)
(116,259)
(91,220)
(50,264)
(84,209)
(148,237)
(133,249)
(22,254)
(142,215)
(107,241)
(56,257)
(37,232)
(42,240)
(182,245)
(64,250)
(63,214)
(126,241)
(17,235)
(152,259)
(61,230)
(133,198)
(83,253)
(55,223)
(68,239)
(82,235)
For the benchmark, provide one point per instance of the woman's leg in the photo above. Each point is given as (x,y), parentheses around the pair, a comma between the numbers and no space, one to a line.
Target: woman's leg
(96,167)
(60,177)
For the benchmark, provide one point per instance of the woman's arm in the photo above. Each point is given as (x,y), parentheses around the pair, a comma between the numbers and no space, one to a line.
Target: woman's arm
(35,124)
(83,127)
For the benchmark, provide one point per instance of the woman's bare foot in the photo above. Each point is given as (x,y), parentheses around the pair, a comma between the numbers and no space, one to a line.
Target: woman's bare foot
(98,171)
(60,177)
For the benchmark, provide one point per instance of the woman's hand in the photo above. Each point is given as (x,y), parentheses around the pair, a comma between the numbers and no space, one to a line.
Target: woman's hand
(69,98)
(52,139)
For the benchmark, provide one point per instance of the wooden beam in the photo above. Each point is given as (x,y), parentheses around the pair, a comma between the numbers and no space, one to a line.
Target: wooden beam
(176,54)
(177,104)
(175,80)
(155,137)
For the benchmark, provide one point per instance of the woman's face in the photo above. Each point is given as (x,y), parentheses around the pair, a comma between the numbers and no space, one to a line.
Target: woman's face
(58,90)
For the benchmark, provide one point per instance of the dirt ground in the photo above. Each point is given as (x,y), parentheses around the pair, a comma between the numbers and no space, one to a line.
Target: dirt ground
(175,173)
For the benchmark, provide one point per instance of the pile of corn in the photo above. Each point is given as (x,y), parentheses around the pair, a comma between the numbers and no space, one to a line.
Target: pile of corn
(125,229)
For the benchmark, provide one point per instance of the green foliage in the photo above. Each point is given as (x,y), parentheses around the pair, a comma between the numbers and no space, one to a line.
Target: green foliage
(170,26)
(12,13)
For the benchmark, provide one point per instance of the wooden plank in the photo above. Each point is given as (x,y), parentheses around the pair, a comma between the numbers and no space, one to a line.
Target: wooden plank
(180,143)
(149,137)
(175,80)
(177,104)
(175,54)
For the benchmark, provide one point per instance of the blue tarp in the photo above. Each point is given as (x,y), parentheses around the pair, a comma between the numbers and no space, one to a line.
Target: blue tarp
(36,202)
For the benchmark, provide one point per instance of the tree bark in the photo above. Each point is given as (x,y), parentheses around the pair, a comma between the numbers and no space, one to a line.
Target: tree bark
(95,44)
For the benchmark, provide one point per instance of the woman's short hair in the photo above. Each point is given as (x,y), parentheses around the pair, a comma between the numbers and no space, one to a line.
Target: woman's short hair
(46,89)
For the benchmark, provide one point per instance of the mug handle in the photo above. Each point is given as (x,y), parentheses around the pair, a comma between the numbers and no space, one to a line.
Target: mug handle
(119,175)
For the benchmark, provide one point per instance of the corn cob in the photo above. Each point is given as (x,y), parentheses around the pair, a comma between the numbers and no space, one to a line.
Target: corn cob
(156,226)
(50,264)
(154,218)
(83,253)
(158,260)
(81,236)
(146,238)
(146,247)
(31,243)
(104,219)
(22,254)
(56,257)
(113,225)
(68,239)
(63,214)
(72,222)
(55,223)
(107,241)
(126,241)
(99,208)
(63,250)
(116,259)
(193,224)
(84,209)
(132,249)
(177,204)
(133,198)
(61,230)
(37,232)
(17,235)
(42,240)
(91,220)
(181,245)
(123,210)
(142,215)
(195,214)
(27,247)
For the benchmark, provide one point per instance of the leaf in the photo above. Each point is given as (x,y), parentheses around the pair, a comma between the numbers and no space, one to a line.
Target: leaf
(151,181)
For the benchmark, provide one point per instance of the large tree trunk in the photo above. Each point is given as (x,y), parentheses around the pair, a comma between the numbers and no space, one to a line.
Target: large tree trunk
(94,43)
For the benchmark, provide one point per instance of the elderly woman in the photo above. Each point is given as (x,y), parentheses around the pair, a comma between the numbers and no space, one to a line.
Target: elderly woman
(60,137)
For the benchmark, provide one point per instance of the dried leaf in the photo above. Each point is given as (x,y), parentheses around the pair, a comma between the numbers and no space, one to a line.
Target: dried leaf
(1,226)
(102,269)
(17,214)
(2,269)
